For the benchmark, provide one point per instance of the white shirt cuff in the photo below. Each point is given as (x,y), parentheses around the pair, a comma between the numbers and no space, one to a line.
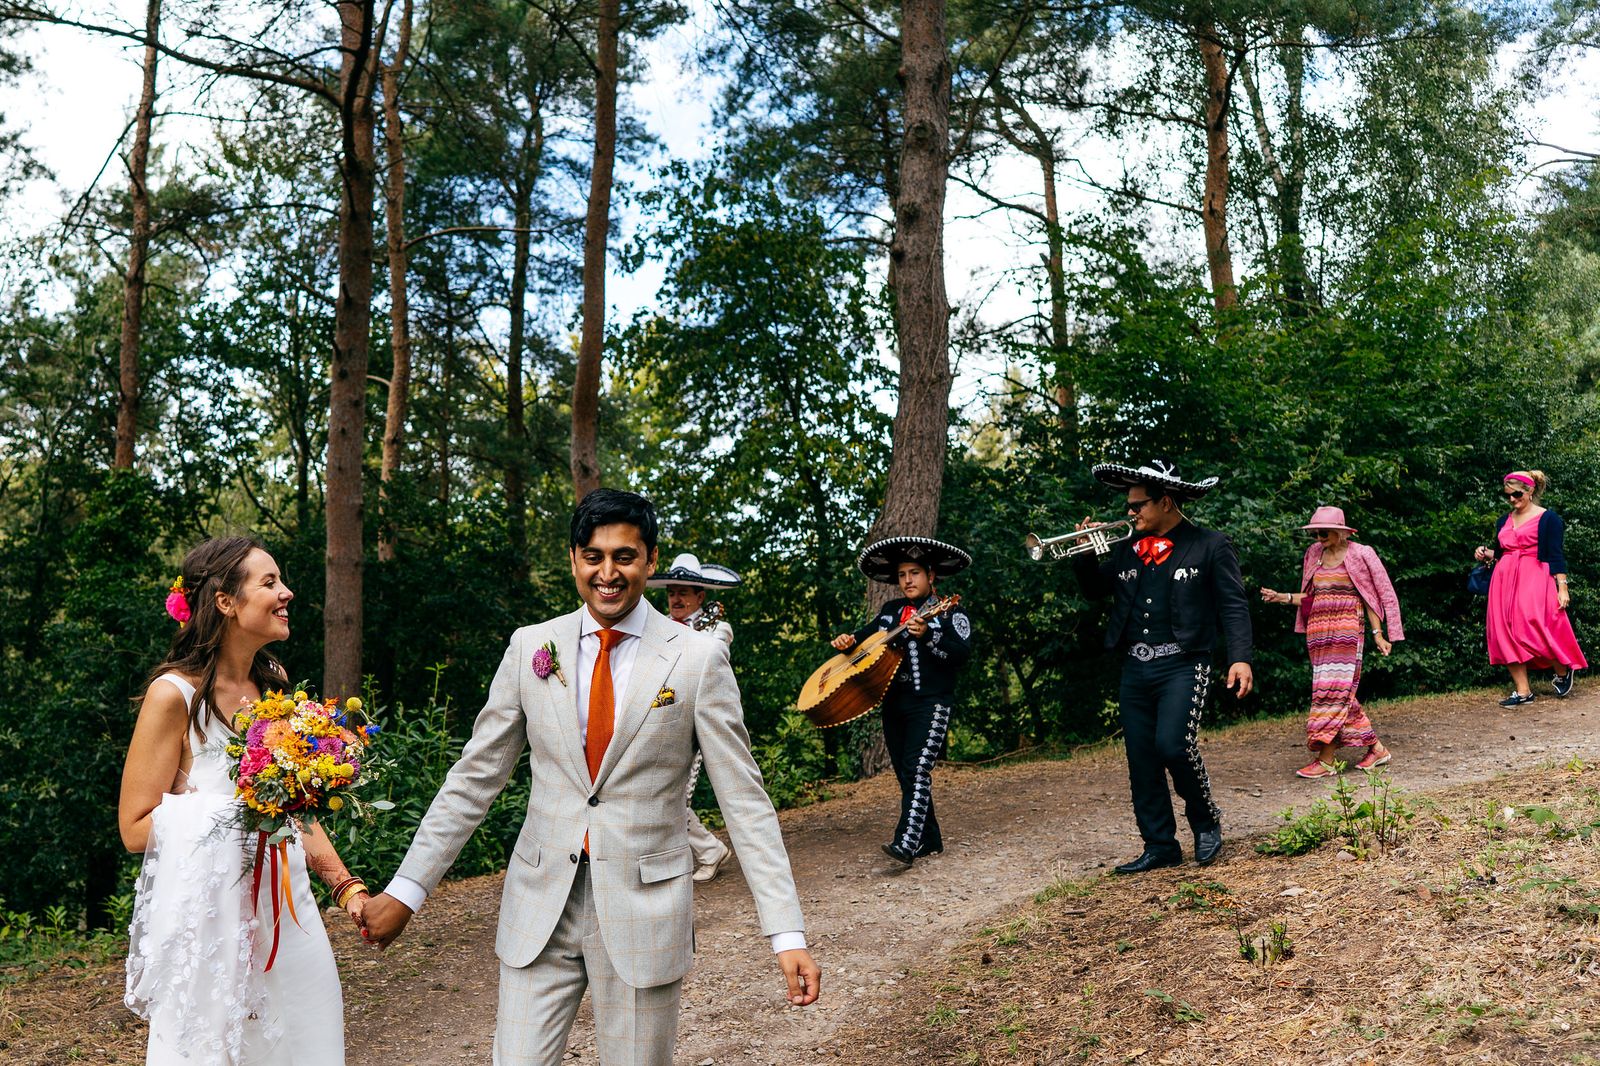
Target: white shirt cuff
(794,940)
(408,892)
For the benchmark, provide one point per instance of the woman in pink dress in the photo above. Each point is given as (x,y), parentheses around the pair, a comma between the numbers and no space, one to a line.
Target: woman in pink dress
(1528,623)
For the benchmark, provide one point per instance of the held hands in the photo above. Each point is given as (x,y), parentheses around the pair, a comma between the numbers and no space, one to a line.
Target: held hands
(844,641)
(1240,674)
(803,974)
(1483,555)
(383,918)
(356,906)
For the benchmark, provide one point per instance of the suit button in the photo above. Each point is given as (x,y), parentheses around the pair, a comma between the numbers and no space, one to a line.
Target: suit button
(573,856)
(1147,632)
(1149,601)
(594,801)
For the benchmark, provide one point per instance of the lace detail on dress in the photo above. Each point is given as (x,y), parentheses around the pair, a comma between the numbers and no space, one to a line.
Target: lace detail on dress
(190,970)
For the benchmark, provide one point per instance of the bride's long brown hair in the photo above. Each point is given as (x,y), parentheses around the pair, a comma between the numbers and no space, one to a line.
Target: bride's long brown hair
(212,567)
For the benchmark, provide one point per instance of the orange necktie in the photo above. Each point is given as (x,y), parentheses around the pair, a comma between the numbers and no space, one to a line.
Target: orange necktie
(602,703)
(602,709)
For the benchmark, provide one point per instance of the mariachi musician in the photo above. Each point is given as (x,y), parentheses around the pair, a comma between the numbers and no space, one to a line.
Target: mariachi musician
(1175,587)
(686,582)
(917,707)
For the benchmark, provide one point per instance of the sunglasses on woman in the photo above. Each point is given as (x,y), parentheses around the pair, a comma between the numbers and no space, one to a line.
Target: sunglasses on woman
(1516,494)
(1318,534)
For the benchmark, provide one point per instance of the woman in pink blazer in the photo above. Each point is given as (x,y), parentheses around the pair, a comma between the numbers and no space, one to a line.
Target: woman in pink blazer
(1342,584)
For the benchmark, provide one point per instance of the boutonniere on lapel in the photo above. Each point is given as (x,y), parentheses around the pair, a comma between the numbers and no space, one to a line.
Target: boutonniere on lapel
(665,698)
(545,663)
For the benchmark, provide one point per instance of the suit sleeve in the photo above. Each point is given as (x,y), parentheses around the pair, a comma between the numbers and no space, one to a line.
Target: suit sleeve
(746,807)
(1095,574)
(874,625)
(952,641)
(1233,606)
(475,780)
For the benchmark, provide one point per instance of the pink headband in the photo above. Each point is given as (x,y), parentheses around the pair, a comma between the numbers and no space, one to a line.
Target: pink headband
(1524,478)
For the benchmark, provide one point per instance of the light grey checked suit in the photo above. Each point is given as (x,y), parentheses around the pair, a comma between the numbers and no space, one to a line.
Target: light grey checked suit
(637,889)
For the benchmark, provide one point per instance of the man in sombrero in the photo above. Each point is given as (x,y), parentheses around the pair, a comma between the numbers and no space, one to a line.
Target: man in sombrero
(687,581)
(917,707)
(1176,588)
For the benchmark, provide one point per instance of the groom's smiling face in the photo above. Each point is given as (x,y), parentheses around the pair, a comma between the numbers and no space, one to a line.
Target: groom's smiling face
(611,571)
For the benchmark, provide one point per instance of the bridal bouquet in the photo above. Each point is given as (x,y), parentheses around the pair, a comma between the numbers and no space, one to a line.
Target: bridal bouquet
(296,757)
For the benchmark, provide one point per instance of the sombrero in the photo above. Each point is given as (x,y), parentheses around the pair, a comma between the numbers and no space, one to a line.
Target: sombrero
(688,570)
(1159,473)
(879,561)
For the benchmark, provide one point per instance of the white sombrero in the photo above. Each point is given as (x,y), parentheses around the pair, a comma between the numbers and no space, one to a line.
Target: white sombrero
(1159,473)
(879,561)
(688,570)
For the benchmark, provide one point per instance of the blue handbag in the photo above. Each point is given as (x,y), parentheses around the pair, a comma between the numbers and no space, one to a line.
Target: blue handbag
(1478,580)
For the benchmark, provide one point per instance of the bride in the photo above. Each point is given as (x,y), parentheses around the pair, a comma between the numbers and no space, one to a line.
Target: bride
(199,944)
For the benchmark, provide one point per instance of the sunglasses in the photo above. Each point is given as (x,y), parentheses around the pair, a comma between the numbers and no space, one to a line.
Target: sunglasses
(1138,505)
(1320,533)
(1516,494)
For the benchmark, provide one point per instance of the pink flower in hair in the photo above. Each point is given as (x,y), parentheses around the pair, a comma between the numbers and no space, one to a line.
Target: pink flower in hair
(178,603)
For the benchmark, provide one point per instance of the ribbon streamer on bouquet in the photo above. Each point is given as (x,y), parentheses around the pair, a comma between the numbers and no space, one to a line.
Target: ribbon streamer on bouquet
(277,882)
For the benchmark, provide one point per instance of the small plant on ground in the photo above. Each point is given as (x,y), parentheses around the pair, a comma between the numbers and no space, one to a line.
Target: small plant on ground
(1201,896)
(1182,1011)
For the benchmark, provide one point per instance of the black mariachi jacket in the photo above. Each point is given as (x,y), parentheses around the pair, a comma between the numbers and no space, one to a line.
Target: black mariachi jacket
(931,662)
(1207,590)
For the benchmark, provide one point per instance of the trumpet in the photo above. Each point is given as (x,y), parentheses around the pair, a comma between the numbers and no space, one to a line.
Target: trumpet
(1097,539)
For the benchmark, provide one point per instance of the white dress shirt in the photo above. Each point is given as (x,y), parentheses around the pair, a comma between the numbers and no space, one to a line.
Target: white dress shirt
(623,655)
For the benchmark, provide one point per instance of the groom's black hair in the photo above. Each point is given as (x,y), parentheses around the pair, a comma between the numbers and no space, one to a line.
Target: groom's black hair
(604,507)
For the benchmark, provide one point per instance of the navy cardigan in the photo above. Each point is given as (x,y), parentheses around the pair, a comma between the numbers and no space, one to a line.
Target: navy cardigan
(1551,532)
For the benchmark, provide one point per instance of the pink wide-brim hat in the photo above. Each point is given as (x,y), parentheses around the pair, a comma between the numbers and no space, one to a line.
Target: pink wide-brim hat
(1328,518)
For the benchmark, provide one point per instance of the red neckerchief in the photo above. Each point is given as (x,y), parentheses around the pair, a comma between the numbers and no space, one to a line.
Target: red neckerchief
(906,612)
(1153,551)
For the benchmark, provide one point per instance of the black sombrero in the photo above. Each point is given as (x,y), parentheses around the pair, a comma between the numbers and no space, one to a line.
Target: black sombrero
(688,570)
(1158,473)
(878,561)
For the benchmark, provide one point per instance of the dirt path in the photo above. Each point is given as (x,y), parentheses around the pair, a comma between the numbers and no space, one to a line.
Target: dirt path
(431,1000)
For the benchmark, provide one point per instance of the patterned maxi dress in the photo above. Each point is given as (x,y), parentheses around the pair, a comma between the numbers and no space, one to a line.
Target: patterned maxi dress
(1334,639)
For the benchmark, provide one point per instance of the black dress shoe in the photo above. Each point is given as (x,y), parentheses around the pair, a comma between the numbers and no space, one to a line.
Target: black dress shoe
(930,849)
(898,855)
(1150,860)
(1208,845)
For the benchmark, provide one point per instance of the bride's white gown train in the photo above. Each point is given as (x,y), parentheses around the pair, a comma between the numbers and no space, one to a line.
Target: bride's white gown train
(196,948)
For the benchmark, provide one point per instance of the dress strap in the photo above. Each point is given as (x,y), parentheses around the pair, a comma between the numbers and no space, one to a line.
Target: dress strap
(182,684)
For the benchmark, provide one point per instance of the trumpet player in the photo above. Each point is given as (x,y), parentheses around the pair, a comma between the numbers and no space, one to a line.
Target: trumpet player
(1175,587)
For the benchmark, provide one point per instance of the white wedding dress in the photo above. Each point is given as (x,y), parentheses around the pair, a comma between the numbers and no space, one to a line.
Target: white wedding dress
(197,947)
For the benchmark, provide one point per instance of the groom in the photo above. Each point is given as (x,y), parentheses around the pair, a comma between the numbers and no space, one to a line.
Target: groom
(598,893)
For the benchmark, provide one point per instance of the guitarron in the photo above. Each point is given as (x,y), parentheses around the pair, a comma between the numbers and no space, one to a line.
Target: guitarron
(853,682)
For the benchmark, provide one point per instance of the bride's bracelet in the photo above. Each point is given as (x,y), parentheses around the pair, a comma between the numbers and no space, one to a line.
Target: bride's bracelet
(346,890)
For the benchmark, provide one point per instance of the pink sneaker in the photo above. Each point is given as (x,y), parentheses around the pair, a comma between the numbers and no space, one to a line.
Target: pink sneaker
(1376,756)
(1316,768)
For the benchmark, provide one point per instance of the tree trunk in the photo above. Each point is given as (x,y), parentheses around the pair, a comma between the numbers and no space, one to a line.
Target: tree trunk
(597,227)
(1214,208)
(922,309)
(516,429)
(1055,264)
(138,251)
(394,209)
(1296,284)
(347,393)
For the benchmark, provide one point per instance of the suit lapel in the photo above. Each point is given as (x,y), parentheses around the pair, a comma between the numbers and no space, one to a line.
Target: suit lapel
(1183,544)
(658,651)
(563,703)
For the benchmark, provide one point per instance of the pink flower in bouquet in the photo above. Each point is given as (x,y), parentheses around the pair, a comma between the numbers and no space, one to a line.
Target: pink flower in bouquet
(257,734)
(330,745)
(253,761)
